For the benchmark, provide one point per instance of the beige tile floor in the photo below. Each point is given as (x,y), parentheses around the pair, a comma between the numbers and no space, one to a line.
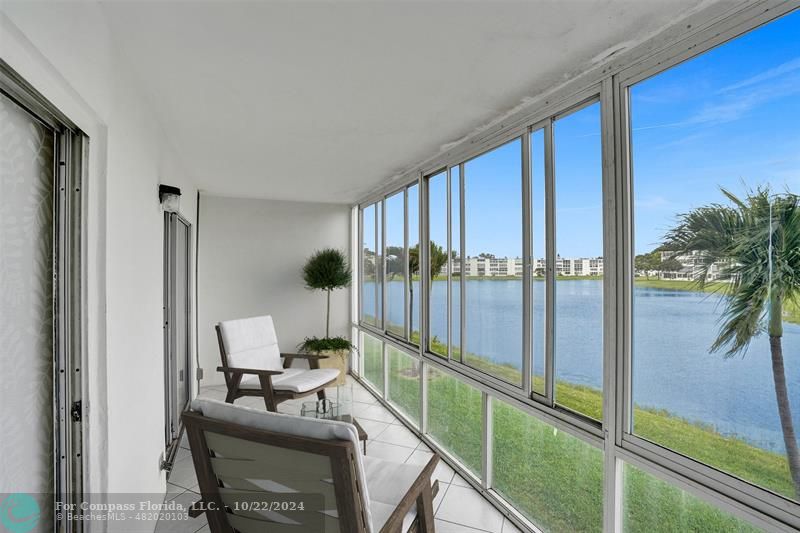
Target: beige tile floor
(458,507)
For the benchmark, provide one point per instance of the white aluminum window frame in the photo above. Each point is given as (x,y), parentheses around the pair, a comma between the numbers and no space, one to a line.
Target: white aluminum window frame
(609,84)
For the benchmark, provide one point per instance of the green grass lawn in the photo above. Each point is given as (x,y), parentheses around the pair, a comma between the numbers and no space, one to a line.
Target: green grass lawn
(556,479)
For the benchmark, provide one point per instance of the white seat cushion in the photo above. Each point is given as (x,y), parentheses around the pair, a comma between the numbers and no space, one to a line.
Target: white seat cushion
(250,381)
(297,380)
(388,482)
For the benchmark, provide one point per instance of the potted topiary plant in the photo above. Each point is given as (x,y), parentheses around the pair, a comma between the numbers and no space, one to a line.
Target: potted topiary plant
(327,270)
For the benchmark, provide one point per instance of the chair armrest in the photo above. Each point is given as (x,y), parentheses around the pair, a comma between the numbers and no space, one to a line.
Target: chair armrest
(305,355)
(254,371)
(410,498)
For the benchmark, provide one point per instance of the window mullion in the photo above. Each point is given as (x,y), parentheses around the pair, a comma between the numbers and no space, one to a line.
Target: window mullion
(385,359)
(462,278)
(527,307)
(423,397)
(486,449)
(382,229)
(378,282)
(406,270)
(449,263)
(612,493)
(360,272)
(423,261)
(550,262)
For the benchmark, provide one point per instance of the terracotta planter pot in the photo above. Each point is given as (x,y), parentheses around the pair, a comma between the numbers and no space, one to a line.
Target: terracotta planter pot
(336,359)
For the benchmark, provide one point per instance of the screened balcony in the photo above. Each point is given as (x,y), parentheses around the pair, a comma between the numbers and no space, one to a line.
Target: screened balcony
(570,230)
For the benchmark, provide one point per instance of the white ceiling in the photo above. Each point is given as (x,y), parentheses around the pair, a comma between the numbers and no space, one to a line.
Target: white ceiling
(323,101)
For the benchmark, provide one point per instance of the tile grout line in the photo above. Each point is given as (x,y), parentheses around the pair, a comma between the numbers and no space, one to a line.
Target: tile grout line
(465,525)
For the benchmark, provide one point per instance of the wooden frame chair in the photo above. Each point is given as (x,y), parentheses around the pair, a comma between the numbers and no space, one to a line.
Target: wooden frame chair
(246,458)
(251,363)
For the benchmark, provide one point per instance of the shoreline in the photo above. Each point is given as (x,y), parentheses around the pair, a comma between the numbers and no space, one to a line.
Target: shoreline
(791,310)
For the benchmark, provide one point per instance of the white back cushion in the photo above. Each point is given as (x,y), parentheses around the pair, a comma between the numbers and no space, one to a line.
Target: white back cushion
(251,343)
(291,425)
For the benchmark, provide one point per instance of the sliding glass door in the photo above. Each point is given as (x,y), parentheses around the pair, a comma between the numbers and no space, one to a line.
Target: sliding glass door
(176,321)
(40,308)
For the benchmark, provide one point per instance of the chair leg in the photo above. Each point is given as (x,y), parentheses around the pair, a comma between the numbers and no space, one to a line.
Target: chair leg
(230,396)
(425,509)
(233,387)
(269,394)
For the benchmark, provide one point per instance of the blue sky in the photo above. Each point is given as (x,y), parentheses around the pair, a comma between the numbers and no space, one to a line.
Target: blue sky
(730,118)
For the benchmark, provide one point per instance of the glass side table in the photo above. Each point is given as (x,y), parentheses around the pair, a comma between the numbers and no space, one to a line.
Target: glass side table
(339,406)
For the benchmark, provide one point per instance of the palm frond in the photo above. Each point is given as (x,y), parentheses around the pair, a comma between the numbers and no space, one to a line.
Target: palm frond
(757,238)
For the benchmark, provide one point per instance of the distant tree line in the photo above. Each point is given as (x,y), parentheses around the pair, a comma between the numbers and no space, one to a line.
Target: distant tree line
(651,262)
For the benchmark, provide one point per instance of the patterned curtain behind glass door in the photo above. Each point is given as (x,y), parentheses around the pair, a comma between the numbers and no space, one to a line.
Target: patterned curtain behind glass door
(26,304)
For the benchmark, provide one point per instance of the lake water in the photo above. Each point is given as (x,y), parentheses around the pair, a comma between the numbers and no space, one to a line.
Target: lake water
(672,367)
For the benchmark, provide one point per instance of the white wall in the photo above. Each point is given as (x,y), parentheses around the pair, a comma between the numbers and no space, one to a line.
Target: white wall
(250,256)
(67,52)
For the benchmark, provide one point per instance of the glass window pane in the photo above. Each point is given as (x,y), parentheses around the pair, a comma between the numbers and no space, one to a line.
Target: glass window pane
(414,297)
(651,505)
(706,357)
(553,478)
(579,261)
(369,268)
(372,353)
(454,417)
(493,230)
(404,382)
(538,261)
(455,263)
(437,220)
(395,264)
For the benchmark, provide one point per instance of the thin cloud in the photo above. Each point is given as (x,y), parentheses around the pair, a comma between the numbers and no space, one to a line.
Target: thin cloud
(784,68)
(658,126)
(735,106)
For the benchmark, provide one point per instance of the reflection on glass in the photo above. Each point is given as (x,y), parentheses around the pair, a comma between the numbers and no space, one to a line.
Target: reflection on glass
(414,297)
(538,261)
(454,417)
(404,381)
(579,261)
(395,264)
(715,375)
(437,220)
(654,506)
(553,478)
(369,267)
(493,232)
(372,352)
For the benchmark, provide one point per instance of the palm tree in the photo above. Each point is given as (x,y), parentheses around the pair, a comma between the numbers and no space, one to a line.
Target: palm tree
(757,238)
